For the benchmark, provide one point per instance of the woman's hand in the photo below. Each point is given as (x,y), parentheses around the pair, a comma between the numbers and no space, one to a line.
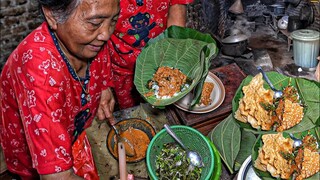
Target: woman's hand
(106,105)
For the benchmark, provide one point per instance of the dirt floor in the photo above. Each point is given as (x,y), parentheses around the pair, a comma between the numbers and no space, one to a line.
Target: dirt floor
(271,50)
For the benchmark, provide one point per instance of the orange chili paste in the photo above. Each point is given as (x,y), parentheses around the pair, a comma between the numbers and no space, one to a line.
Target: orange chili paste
(139,141)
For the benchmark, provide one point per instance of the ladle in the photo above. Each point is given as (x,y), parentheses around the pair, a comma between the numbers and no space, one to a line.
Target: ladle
(277,93)
(296,142)
(195,158)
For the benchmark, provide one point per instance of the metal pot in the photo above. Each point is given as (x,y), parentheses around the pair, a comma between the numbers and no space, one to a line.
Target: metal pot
(234,45)
(277,9)
(294,23)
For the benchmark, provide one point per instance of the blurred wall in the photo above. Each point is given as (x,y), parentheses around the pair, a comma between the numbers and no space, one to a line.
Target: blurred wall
(17,19)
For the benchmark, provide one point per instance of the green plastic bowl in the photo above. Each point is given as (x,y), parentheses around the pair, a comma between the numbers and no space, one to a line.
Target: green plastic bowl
(191,138)
(217,162)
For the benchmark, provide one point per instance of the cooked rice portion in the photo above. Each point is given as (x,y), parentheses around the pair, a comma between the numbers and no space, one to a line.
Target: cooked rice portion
(166,82)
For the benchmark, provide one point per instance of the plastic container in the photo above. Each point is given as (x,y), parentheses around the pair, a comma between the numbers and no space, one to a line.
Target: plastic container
(217,171)
(305,47)
(193,140)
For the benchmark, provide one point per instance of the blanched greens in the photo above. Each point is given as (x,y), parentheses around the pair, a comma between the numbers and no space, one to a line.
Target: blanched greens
(172,164)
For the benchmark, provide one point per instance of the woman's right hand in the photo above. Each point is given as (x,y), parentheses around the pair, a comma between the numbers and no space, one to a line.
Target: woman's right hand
(106,106)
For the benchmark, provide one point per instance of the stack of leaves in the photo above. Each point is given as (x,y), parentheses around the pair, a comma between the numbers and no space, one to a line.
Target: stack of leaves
(185,49)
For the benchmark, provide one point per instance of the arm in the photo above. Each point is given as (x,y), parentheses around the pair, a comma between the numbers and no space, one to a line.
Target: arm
(107,101)
(69,174)
(177,15)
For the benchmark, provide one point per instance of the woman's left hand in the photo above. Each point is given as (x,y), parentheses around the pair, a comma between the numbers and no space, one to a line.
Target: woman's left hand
(106,105)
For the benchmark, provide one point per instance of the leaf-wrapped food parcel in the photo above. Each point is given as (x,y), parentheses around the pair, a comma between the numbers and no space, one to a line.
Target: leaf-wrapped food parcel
(185,49)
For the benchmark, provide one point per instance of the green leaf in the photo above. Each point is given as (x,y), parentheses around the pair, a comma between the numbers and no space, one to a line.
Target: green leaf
(314,177)
(186,49)
(247,141)
(309,94)
(226,136)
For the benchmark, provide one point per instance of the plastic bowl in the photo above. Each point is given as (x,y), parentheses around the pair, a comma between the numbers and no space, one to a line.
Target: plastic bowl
(123,125)
(217,171)
(191,138)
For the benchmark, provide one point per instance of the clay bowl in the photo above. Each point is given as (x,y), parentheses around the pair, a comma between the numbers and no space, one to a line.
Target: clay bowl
(139,132)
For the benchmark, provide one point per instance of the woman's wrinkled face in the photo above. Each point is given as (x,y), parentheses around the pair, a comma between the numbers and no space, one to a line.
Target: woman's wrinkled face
(88,27)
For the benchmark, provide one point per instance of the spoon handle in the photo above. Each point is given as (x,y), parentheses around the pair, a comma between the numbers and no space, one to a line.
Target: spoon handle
(175,137)
(122,161)
(266,78)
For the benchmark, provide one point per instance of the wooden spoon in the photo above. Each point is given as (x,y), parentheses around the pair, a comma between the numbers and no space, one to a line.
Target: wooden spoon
(122,161)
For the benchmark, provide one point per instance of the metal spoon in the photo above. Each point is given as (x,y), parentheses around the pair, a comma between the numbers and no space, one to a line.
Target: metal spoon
(277,93)
(296,142)
(128,146)
(195,158)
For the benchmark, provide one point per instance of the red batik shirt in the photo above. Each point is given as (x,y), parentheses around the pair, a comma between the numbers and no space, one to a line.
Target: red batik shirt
(139,21)
(43,107)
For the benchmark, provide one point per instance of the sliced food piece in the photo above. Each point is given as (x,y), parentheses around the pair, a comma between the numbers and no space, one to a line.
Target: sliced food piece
(206,93)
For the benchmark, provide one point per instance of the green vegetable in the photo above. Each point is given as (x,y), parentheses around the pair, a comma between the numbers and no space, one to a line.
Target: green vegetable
(172,163)
(287,156)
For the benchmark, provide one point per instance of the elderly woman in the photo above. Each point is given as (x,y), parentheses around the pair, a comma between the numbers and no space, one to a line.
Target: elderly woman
(53,85)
